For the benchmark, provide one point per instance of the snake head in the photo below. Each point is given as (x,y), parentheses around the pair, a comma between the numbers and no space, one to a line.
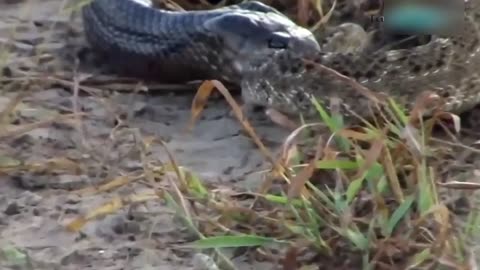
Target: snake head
(249,35)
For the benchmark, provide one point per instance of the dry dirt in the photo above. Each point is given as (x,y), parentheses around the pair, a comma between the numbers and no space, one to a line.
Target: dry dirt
(36,204)
(38,199)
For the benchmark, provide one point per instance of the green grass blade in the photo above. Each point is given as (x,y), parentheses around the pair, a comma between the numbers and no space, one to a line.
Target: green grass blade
(283,200)
(353,189)
(357,238)
(196,186)
(338,164)
(398,214)
(334,123)
(230,241)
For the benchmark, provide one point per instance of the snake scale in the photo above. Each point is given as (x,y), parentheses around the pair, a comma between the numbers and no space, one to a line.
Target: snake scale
(258,48)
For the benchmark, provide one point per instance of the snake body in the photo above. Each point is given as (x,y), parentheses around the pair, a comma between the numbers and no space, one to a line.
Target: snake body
(257,47)
(179,45)
(448,66)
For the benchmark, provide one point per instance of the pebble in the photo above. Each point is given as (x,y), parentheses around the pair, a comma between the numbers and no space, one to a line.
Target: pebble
(12,209)
(29,198)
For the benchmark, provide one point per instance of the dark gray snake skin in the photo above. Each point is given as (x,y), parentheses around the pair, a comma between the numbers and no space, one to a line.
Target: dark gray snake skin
(179,46)
(257,47)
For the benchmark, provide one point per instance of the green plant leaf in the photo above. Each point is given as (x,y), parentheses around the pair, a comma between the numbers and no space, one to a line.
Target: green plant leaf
(229,241)
(398,214)
(196,186)
(419,258)
(338,164)
(357,238)
(353,189)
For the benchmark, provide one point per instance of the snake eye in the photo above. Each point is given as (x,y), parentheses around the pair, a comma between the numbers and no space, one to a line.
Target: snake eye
(278,41)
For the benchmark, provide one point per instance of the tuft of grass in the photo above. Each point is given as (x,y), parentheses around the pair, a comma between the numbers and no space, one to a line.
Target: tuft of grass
(368,197)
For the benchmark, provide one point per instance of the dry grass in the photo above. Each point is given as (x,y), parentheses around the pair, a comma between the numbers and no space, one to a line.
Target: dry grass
(367,198)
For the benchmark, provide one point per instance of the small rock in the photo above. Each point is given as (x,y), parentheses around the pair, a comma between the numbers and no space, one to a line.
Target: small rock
(7,72)
(73,199)
(36,212)
(71,211)
(203,262)
(29,198)
(132,165)
(29,181)
(12,209)
(70,182)
(120,226)
(23,142)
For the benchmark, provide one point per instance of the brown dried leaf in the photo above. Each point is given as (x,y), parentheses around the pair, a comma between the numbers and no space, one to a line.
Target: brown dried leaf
(108,208)
(11,106)
(199,101)
(371,156)
(412,139)
(324,18)
(289,145)
(457,121)
(442,216)
(281,119)
(352,134)
(426,101)
(63,164)
(390,170)
(116,182)
(290,260)
(298,182)
(302,12)
(19,130)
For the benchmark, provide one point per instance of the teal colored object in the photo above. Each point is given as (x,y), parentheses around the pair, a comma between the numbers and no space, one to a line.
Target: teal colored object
(417,18)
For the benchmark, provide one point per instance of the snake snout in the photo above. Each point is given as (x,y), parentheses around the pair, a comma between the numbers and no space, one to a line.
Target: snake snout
(303,42)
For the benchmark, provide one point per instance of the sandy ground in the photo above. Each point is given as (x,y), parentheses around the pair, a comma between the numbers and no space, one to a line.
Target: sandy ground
(35,204)
(39,198)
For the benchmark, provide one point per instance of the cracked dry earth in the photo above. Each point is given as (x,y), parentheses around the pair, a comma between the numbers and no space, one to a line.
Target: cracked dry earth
(36,202)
